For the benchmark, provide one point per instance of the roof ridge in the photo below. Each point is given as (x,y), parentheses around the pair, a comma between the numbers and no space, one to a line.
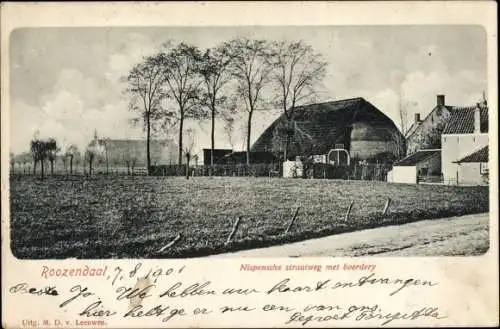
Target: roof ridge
(132,140)
(467,107)
(333,101)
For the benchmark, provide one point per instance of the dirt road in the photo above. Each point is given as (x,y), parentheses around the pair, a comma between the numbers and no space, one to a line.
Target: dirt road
(464,235)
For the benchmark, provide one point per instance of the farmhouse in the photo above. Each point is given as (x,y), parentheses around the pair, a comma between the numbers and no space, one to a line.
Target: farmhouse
(465,140)
(354,125)
(426,133)
(462,156)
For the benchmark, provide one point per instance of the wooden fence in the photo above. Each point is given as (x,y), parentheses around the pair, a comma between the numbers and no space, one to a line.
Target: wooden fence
(317,170)
(238,170)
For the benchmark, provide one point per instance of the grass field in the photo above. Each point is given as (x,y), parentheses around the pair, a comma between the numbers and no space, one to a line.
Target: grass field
(134,217)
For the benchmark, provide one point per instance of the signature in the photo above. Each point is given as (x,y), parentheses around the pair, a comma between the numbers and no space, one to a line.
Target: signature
(365,313)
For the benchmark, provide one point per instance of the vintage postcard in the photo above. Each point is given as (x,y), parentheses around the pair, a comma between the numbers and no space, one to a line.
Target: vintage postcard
(325,164)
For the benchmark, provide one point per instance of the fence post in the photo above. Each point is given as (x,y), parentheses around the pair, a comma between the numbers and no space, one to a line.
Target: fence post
(348,211)
(170,244)
(293,220)
(386,207)
(233,231)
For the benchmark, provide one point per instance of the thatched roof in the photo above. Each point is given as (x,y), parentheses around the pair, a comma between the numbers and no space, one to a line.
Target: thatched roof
(320,126)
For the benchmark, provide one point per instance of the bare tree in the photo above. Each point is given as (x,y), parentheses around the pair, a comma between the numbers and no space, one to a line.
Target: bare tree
(399,144)
(145,85)
(400,138)
(41,150)
(12,161)
(179,68)
(71,152)
(228,130)
(403,115)
(214,69)
(251,70)
(188,149)
(52,150)
(90,156)
(297,69)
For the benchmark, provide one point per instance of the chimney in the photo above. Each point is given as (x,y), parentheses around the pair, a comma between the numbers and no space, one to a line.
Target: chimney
(477,119)
(440,100)
(417,117)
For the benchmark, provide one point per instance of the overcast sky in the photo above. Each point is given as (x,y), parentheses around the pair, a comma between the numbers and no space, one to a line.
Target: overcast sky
(65,81)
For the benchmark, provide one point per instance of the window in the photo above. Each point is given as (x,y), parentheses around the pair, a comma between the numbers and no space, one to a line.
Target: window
(483,168)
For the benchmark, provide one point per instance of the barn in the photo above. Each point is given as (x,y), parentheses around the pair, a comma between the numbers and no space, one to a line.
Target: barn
(354,125)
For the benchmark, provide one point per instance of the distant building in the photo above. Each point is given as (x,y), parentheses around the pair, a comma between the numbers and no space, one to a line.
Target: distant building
(219,155)
(354,125)
(130,154)
(465,134)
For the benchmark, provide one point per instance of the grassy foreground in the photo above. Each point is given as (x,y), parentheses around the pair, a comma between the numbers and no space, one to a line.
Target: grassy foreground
(134,217)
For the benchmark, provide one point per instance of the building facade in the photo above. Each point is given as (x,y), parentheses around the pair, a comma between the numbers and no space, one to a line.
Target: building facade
(426,134)
(465,134)
(422,165)
(474,169)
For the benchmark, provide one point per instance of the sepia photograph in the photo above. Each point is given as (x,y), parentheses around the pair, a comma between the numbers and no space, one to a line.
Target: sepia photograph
(256,164)
(248,141)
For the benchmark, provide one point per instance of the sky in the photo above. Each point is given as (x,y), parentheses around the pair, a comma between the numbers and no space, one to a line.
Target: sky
(65,82)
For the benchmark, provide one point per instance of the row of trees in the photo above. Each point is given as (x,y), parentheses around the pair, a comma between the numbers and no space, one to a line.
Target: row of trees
(43,150)
(182,82)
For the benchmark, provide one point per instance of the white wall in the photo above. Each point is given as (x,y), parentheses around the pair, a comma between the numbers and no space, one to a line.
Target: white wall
(403,174)
(470,174)
(456,146)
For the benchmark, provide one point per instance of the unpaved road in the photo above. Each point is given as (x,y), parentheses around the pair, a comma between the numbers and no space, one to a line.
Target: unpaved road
(454,236)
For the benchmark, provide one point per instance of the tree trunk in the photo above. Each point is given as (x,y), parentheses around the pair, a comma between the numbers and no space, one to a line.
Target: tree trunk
(71,164)
(249,133)
(52,167)
(90,167)
(181,126)
(148,141)
(188,157)
(285,151)
(212,136)
(288,135)
(34,167)
(41,165)
(107,160)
